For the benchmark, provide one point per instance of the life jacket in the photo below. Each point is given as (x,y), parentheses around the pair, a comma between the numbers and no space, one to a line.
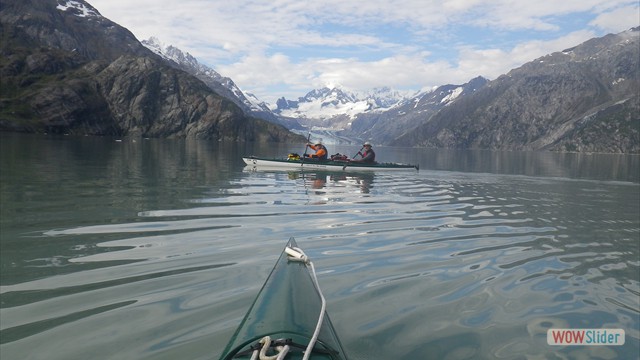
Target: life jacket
(369,157)
(321,151)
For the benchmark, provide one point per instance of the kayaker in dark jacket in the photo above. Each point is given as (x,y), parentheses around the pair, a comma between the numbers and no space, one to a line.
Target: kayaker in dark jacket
(368,156)
(321,151)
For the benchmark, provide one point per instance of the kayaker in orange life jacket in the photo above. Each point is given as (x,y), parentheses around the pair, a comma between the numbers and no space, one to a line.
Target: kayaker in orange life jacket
(321,151)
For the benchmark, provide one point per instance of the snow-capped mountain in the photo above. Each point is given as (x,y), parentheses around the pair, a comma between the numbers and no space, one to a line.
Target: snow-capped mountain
(224,86)
(331,102)
(384,126)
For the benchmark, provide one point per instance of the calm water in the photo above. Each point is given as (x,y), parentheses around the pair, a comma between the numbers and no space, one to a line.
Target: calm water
(154,249)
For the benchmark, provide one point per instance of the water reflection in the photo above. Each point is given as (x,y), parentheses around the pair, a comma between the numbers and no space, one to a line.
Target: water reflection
(319,180)
(157,248)
(619,167)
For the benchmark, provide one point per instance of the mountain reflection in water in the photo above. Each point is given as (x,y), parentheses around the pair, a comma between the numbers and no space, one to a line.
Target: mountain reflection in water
(155,249)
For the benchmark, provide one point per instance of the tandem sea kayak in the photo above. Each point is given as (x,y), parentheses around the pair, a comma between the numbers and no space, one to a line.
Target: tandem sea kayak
(328,165)
(288,318)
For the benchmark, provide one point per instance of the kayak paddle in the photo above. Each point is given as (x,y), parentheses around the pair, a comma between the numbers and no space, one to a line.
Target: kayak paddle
(306,146)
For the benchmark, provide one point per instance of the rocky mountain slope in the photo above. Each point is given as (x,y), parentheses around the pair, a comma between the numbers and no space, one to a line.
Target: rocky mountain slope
(586,98)
(222,85)
(67,69)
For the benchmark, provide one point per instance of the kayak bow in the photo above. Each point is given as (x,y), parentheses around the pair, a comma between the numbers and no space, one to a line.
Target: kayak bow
(287,320)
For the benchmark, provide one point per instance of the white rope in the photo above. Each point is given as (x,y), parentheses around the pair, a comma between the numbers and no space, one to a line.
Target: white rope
(262,354)
(283,352)
(296,254)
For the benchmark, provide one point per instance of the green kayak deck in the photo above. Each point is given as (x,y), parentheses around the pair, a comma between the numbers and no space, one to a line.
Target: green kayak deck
(287,309)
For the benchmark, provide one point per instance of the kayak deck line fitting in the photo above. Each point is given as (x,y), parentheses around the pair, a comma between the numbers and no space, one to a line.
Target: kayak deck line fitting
(266,345)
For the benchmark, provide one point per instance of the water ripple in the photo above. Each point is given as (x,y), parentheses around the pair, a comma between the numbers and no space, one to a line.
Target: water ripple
(451,265)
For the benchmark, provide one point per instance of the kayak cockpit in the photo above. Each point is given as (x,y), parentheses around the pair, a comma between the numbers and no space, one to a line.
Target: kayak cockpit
(294,344)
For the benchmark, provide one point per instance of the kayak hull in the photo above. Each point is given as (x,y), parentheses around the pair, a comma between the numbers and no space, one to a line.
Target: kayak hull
(286,164)
(287,307)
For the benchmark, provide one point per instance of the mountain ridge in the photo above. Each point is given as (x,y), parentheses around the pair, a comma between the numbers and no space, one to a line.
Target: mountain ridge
(403,117)
(585,98)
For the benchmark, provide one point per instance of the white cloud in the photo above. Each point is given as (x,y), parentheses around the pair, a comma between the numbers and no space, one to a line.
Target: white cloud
(617,19)
(495,62)
(276,48)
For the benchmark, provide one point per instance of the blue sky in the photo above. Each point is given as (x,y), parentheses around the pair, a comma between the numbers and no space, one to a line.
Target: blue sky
(276,48)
